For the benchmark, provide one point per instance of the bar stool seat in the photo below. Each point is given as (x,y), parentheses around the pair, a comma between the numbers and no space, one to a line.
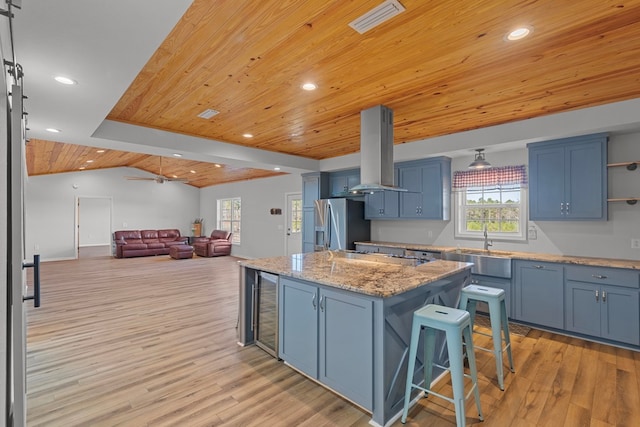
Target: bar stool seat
(456,324)
(495,298)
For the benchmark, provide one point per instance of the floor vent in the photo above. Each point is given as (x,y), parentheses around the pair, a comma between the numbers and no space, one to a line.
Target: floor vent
(377,16)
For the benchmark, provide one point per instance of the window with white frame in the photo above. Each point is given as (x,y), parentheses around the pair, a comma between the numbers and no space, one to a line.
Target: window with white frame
(494,198)
(229,215)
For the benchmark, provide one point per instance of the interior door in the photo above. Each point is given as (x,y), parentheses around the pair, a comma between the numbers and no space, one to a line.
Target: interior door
(17,376)
(293,237)
(93,216)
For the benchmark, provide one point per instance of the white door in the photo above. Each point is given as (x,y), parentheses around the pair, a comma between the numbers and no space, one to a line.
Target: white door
(293,224)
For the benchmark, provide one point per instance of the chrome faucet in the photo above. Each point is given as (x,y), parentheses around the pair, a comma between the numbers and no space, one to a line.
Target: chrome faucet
(487,242)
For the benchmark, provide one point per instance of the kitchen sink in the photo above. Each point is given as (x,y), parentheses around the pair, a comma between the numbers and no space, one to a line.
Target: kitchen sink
(487,263)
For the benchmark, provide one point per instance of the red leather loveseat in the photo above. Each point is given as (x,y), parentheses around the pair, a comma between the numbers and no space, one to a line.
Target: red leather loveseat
(132,243)
(218,244)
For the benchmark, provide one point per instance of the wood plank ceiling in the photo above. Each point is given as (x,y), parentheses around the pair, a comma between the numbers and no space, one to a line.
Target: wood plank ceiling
(442,68)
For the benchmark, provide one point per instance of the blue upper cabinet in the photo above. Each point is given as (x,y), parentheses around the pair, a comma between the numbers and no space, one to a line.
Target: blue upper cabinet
(340,182)
(428,185)
(568,179)
(381,205)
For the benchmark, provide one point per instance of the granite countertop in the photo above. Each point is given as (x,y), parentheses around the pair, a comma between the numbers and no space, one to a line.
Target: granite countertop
(380,279)
(527,256)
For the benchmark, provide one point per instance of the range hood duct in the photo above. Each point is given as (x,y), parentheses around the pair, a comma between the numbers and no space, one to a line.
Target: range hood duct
(376,151)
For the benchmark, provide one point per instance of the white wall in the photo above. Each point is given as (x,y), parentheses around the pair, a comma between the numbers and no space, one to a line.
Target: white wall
(50,207)
(611,239)
(263,234)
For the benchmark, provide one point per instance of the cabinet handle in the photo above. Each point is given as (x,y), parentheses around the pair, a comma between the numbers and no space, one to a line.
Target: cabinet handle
(322,303)
(313,301)
(604,296)
(596,295)
(598,276)
(561,208)
(567,208)
(253,306)
(538,266)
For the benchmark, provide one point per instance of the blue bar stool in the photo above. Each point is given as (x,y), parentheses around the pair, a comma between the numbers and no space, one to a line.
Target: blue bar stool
(456,324)
(494,297)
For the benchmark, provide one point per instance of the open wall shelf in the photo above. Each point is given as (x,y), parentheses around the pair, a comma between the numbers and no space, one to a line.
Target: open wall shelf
(631,166)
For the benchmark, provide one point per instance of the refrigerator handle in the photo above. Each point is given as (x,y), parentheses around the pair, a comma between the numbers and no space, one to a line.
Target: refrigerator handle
(327,222)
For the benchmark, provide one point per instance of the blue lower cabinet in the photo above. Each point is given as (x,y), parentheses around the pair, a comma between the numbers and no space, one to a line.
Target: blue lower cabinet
(539,293)
(328,335)
(298,324)
(603,303)
(346,345)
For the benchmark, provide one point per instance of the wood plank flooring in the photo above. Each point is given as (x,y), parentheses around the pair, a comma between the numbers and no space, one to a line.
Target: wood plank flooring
(152,342)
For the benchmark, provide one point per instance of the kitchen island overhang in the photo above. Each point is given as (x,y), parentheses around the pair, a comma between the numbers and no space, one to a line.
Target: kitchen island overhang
(345,321)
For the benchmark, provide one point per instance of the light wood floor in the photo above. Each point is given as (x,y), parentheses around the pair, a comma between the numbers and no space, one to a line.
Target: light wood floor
(152,341)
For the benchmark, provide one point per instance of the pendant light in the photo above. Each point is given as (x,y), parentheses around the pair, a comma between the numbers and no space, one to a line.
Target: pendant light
(479,162)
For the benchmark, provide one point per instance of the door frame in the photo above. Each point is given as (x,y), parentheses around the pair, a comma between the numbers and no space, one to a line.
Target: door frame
(287,220)
(76,225)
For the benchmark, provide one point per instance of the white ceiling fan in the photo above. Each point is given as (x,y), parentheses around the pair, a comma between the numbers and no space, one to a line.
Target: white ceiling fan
(160,179)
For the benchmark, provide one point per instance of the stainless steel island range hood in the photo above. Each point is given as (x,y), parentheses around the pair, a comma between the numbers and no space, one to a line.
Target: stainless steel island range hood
(376,151)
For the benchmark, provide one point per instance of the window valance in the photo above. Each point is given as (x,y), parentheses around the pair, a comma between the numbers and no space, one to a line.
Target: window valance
(491,177)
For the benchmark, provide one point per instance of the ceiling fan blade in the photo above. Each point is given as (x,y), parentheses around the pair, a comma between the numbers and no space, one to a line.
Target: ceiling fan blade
(177,179)
(139,178)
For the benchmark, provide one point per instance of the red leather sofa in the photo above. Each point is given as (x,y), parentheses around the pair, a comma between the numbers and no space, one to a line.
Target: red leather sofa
(218,244)
(133,243)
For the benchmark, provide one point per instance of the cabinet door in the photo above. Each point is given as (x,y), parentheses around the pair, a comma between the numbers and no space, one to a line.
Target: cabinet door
(539,289)
(586,181)
(410,178)
(546,186)
(341,183)
(620,314)
(346,345)
(310,190)
(381,204)
(298,325)
(583,308)
(433,193)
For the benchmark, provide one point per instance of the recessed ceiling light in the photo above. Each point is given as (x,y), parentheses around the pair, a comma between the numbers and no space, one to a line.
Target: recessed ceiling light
(81,168)
(276,168)
(100,151)
(519,33)
(53,130)
(247,135)
(192,171)
(217,165)
(177,155)
(65,80)
(309,86)
(175,176)
(89,161)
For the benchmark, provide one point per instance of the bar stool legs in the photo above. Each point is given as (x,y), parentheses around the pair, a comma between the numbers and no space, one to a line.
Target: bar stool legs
(456,324)
(499,322)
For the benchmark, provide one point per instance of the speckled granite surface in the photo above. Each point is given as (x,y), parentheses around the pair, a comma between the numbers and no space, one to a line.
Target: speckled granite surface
(530,256)
(381,279)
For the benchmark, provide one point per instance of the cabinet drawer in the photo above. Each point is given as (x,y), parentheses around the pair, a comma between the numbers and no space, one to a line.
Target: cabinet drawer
(604,276)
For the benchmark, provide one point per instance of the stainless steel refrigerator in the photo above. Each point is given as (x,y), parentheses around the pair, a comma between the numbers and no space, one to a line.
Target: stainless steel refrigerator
(339,223)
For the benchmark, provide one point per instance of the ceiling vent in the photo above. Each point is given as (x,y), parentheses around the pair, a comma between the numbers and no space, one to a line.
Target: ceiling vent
(377,16)
(208,113)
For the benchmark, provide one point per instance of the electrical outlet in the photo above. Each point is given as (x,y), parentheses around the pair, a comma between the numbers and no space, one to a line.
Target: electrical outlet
(532,232)
(635,243)
(429,233)
(36,247)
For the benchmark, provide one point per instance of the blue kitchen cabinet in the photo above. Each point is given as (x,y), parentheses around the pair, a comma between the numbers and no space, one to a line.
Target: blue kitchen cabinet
(340,182)
(428,185)
(568,179)
(328,335)
(381,205)
(315,185)
(603,303)
(298,325)
(539,293)
(346,345)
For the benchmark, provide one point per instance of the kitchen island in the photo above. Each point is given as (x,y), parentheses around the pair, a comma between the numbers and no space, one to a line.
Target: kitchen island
(344,319)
